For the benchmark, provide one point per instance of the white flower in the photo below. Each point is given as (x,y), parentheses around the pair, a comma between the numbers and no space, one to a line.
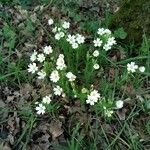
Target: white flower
(106,47)
(59,29)
(109,113)
(60,62)
(58,90)
(142,69)
(100,31)
(32,68)
(96,66)
(48,49)
(41,74)
(84,90)
(71,76)
(93,97)
(96,53)
(71,39)
(75,45)
(132,67)
(59,35)
(63,95)
(46,100)
(97,42)
(40,109)
(61,56)
(54,29)
(54,77)
(66,25)
(33,56)
(119,104)
(90,101)
(107,31)
(41,57)
(50,21)
(80,39)
(111,41)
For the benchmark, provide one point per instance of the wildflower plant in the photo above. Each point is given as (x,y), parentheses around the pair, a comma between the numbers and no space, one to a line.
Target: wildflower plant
(70,64)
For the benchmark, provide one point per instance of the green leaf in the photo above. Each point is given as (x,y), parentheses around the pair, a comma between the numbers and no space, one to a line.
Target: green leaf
(10,35)
(29,26)
(145,45)
(120,33)
(147,104)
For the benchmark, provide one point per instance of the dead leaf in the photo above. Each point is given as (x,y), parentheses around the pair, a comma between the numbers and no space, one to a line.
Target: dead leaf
(5,147)
(45,89)
(122,114)
(111,74)
(11,139)
(2,104)
(56,129)
(35,147)
(128,88)
(10,98)
(26,91)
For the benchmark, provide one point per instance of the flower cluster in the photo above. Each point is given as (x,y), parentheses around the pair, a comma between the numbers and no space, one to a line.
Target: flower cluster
(71,77)
(62,75)
(102,31)
(75,40)
(60,31)
(60,62)
(105,39)
(41,106)
(111,41)
(35,57)
(132,67)
(59,35)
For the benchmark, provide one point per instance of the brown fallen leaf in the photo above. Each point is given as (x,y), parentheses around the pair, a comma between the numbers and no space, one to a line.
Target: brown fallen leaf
(44,142)
(11,139)
(5,147)
(111,74)
(56,129)
(122,114)
(26,90)
(128,88)
(10,98)
(35,147)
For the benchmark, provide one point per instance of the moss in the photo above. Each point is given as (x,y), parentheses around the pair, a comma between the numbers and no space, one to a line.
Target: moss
(133,16)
